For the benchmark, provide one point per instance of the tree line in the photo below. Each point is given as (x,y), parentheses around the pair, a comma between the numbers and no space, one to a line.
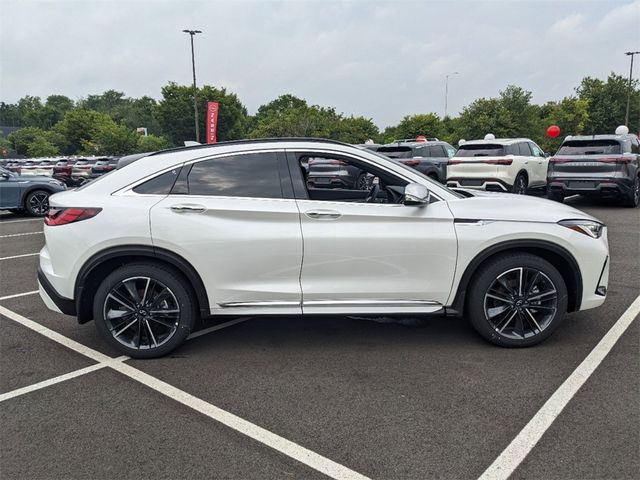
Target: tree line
(105,124)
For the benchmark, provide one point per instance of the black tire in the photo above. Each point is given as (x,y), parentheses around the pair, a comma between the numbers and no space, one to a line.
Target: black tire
(520,185)
(633,199)
(166,291)
(555,196)
(502,329)
(433,177)
(36,203)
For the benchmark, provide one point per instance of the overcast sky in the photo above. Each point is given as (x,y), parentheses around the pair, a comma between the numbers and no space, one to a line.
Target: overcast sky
(383,60)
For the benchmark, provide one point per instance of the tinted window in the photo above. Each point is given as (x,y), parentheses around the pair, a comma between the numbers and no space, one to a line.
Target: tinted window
(635,145)
(437,151)
(396,152)
(525,151)
(480,150)
(251,175)
(160,185)
(589,147)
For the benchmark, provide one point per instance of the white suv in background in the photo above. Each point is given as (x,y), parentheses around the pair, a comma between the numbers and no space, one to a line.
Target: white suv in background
(514,165)
(236,229)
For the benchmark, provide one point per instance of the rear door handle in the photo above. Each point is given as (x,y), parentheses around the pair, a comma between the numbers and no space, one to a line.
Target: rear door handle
(323,214)
(188,208)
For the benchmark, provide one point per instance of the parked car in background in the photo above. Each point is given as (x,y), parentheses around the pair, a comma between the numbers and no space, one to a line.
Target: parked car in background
(82,170)
(514,165)
(62,170)
(428,156)
(598,165)
(234,229)
(104,165)
(39,167)
(29,193)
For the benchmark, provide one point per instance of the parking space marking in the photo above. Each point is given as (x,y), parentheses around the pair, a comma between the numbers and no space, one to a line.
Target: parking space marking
(519,448)
(21,234)
(20,256)
(217,327)
(16,295)
(60,378)
(291,449)
(20,221)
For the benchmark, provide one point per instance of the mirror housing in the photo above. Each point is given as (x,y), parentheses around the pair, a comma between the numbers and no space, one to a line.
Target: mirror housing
(416,194)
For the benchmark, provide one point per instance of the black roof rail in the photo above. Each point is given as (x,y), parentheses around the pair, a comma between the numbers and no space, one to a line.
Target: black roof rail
(250,141)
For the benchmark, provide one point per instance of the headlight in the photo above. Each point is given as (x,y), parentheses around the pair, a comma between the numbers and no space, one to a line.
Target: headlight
(586,227)
(56,182)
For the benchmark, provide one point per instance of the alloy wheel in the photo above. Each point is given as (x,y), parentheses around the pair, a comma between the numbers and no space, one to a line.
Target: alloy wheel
(521,303)
(39,203)
(141,313)
(521,186)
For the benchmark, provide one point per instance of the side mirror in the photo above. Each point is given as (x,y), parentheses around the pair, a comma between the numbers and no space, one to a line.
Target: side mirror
(5,176)
(416,194)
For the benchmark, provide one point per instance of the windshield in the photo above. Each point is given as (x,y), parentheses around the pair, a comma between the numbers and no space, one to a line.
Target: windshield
(480,150)
(4,171)
(396,152)
(589,147)
(416,172)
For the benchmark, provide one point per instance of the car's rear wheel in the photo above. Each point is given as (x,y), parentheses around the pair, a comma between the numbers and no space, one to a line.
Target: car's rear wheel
(37,203)
(144,310)
(517,300)
(633,198)
(362,182)
(520,185)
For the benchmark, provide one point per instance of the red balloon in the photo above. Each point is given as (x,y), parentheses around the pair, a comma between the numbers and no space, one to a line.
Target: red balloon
(553,131)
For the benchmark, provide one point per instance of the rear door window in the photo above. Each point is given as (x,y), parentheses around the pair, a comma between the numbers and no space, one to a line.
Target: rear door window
(525,151)
(437,151)
(396,152)
(590,147)
(250,175)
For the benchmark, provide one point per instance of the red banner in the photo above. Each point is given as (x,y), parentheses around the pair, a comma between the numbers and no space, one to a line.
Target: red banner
(212,121)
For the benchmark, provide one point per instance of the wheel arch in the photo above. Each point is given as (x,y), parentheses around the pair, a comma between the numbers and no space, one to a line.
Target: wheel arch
(32,188)
(558,256)
(105,261)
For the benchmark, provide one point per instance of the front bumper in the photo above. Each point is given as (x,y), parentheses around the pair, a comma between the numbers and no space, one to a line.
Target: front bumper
(52,299)
(605,187)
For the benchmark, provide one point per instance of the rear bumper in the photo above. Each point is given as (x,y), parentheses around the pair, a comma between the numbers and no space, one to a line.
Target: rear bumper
(490,184)
(52,298)
(606,187)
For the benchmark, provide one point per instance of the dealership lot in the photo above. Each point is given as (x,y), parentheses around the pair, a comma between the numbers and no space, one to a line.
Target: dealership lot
(346,396)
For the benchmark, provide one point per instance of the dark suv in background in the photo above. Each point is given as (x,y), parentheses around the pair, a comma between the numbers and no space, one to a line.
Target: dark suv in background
(598,165)
(429,156)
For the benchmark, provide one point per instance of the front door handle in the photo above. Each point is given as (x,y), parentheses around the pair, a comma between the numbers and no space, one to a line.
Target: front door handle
(323,214)
(188,208)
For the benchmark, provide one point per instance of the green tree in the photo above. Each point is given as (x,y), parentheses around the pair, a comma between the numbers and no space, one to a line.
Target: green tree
(411,126)
(356,130)
(175,113)
(41,147)
(607,103)
(570,114)
(111,102)
(111,139)
(81,125)
(55,108)
(22,140)
(31,112)
(151,143)
(9,115)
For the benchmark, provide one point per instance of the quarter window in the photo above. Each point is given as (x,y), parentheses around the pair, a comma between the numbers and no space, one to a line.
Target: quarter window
(251,175)
(160,185)
(536,151)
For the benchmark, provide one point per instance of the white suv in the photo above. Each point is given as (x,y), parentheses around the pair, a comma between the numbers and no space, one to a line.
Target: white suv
(503,165)
(234,229)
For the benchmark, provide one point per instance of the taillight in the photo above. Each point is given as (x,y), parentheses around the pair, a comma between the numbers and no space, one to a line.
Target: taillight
(454,162)
(506,161)
(411,163)
(63,216)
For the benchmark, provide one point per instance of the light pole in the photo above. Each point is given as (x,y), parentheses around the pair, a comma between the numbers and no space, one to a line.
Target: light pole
(192,33)
(446,91)
(626,116)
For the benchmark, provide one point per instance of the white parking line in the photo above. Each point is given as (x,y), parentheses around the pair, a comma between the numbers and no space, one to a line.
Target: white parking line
(21,234)
(58,379)
(20,256)
(270,439)
(19,295)
(20,221)
(519,448)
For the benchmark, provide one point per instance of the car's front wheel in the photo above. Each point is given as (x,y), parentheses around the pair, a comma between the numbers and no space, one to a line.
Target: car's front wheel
(144,310)
(37,203)
(517,300)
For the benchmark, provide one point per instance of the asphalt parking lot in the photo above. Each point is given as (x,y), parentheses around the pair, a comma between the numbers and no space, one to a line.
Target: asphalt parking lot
(316,397)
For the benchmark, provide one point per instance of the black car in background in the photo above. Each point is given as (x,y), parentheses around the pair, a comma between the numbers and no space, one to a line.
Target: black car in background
(429,156)
(598,165)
